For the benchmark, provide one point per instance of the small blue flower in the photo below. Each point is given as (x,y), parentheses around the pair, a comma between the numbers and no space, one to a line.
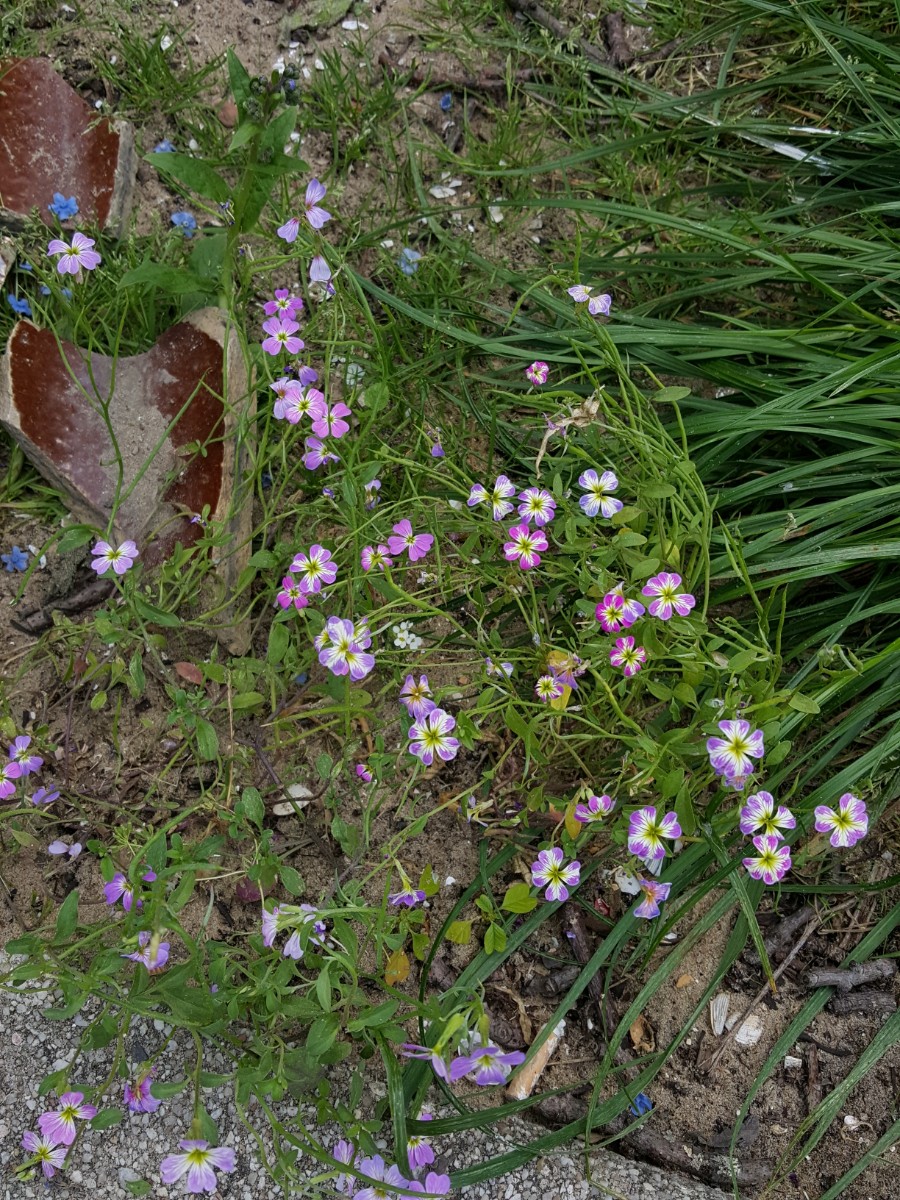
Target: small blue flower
(63,208)
(408,262)
(642,1104)
(22,307)
(16,560)
(45,291)
(186,221)
(266,479)
(164,147)
(447,101)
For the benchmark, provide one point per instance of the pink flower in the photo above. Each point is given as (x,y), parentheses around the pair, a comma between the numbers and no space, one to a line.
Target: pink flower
(343,655)
(551,871)
(284,303)
(433,1184)
(417,545)
(46,1152)
(848,825)
(538,373)
(667,598)
(320,274)
(596,809)
(59,1126)
(329,422)
(537,505)
(281,332)
(646,832)
(316,216)
(524,545)
(121,559)
(430,735)
(76,256)
(597,305)
(598,498)
(772,862)
(315,569)
(197,1163)
(137,1092)
(548,688)
(417,696)
(291,592)
(628,656)
(653,893)
(375,558)
(610,613)
(8,772)
(317,454)
(364,773)
(294,401)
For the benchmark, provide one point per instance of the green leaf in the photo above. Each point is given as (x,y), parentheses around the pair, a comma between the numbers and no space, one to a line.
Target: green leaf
(207,740)
(193,173)
(138,1187)
(381,1014)
(165,1091)
(322,1034)
(251,806)
(74,538)
(176,281)
(291,880)
(247,700)
(136,671)
(67,917)
(106,1118)
(518,899)
(279,640)
(804,704)
(323,988)
(238,78)
(494,939)
(151,613)
(459,932)
(742,660)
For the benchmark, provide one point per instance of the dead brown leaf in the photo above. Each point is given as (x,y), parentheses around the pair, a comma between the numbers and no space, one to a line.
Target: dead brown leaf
(641,1035)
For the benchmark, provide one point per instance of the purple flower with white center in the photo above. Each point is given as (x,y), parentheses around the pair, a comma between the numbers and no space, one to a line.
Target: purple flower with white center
(654,894)
(537,505)
(551,871)
(19,752)
(596,808)
(137,1092)
(498,497)
(377,1171)
(488,1063)
(433,1184)
(281,331)
(372,494)
(285,303)
(761,815)
(121,559)
(666,596)
(320,274)
(430,736)
(315,569)
(646,832)
(502,670)
(292,592)
(375,558)
(329,420)
(566,668)
(59,1126)
(598,497)
(416,545)
(732,754)
(120,888)
(418,1148)
(548,688)
(772,861)
(9,772)
(317,454)
(200,1163)
(538,373)
(628,656)
(73,258)
(597,305)
(60,847)
(44,796)
(417,696)
(364,773)
(45,1151)
(631,609)
(408,895)
(344,655)
(344,1152)
(153,954)
(848,824)
(524,545)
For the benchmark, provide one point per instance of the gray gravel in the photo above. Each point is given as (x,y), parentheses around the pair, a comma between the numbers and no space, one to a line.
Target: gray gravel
(105,1160)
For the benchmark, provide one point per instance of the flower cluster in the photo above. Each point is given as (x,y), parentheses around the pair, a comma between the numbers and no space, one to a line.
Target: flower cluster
(294,917)
(58,1131)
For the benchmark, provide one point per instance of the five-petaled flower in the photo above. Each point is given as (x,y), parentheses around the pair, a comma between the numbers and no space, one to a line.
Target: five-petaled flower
(596,808)
(646,832)
(59,1126)
(281,331)
(315,215)
(121,558)
(314,569)
(73,258)
(524,545)
(416,545)
(488,1064)
(772,861)
(498,497)
(153,954)
(317,454)
(430,736)
(344,653)
(285,302)
(200,1163)
(46,1151)
(548,688)
(538,373)
(552,872)
(597,305)
(610,612)
(732,754)
(329,421)
(598,497)
(292,592)
(20,751)
(847,824)
(63,208)
(417,696)
(375,558)
(17,559)
(666,596)
(9,771)
(628,656)
(537,505)
(761,815)
(184,221)
(653,893)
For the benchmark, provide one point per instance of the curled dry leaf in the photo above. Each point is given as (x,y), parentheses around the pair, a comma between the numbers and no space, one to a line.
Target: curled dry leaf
(189,671)
(641,1035)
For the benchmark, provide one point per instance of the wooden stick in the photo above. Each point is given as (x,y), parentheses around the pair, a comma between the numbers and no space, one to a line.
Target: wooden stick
(525,1079)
